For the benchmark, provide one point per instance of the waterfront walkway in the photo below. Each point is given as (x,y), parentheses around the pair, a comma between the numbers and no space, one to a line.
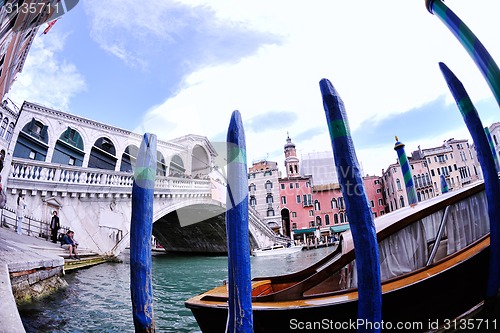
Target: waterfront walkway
(29,260)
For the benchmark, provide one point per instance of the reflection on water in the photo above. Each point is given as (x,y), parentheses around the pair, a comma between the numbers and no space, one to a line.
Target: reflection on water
(98,298)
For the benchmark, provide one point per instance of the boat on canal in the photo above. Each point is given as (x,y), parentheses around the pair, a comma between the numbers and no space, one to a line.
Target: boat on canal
(277,250)
(433,261)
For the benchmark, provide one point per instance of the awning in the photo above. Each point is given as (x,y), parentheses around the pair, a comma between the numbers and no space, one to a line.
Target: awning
(340,228)
(304,231)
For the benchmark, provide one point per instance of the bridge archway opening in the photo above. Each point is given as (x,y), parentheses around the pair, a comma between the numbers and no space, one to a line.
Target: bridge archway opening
(69,148)
(200,165)
(32,142)
(197,228)
(129,158)
(161,167)
(285,218)
(177,166)
(103,155)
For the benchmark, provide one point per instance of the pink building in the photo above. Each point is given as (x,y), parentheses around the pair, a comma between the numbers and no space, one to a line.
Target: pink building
(375,194)
(295,194)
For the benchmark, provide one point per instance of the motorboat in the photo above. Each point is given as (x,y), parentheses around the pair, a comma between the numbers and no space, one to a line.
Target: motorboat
(277,250)
(433,262)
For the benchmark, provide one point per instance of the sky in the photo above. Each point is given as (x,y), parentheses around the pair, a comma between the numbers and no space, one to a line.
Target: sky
(182,67)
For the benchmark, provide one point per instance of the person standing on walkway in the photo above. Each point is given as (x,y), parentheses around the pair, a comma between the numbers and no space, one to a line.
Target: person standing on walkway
(54,227)
(21,206)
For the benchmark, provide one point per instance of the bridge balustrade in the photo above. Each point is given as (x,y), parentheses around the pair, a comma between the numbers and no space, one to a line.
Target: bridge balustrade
(29,171)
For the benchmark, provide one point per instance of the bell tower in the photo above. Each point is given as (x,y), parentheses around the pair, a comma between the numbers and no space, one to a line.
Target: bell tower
(291,160)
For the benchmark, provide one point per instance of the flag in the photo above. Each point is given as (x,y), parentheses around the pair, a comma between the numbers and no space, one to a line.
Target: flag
(49,26)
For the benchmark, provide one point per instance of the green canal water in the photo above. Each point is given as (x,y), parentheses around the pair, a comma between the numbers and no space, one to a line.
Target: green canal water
(98,298)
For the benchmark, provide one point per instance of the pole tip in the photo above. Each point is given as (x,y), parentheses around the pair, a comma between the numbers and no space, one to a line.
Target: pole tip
(398,144)
(428,5)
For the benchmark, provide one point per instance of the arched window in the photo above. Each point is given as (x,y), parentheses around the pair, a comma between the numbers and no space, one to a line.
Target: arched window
(335,219)
(318,220)
(341,203)
(327,219)
(270,212)
(252,187)
(5,123)
(415,181)
(342,218)
(495,139)
(316,205)
(269,199)
(398,184)
(10,130)
(253,201)
(269,185)
(419,198)
(334,203)
(427,180)
(402,201)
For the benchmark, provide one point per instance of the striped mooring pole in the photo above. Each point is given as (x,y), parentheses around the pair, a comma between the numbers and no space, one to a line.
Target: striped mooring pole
(491,182)
(470,42)
(358,210)
(141,227)
(240,317)
(399,147)
(444,184)
(492,147)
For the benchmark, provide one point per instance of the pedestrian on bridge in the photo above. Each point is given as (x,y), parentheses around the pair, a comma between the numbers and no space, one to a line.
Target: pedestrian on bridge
(21,206)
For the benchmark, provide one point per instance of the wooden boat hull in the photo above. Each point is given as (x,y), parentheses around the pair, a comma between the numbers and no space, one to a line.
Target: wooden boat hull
(426,299)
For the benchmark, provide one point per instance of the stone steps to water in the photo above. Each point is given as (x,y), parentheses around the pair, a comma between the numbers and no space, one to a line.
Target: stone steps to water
(87,261)
(87,257)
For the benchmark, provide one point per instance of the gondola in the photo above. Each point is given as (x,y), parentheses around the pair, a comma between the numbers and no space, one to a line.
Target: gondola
(434,267)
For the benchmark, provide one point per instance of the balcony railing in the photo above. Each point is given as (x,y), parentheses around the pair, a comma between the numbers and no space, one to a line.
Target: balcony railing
(48,174)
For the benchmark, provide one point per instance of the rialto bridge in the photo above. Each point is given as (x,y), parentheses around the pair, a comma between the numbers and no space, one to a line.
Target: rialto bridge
(83,170)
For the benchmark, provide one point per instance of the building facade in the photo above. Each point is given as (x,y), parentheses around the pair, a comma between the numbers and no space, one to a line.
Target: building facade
(19,22)
(374,192)
(264,193)
(495,137)
(455,159)
(296,203)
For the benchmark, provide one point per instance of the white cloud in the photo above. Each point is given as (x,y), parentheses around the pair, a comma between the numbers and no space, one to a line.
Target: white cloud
(46,78)
(382,58)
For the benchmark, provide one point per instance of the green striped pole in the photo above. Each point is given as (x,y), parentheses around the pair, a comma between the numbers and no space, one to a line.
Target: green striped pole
(358,210)
(141,226)
(491,183)
(444,184)
(492,147)
(470,42)
(399,147)
(240,316)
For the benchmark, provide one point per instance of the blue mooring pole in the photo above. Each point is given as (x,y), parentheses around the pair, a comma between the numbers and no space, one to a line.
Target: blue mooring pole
(240,318)
(470,42)
(411,193)
(492,147)
(141,227)
(490,175)
(444,184)
(358,210)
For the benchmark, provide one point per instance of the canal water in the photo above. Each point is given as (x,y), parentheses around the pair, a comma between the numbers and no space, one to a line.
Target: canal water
(98,298)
